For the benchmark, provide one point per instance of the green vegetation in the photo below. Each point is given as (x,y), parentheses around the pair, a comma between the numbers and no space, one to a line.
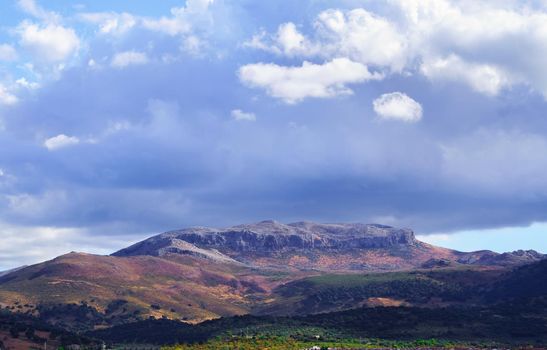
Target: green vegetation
(289,343)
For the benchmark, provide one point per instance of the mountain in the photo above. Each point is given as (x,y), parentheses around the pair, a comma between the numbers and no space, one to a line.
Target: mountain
(201,273)
(312,246)
(302,245)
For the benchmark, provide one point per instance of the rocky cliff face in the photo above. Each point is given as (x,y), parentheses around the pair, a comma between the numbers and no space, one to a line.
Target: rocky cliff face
(270,236)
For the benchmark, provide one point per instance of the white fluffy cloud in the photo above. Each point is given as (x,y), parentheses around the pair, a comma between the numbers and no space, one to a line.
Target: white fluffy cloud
(23,82)
(127,58)
(287,41)
(111,22)
(397,106)
(6,97)
(362,36)
(182,19)
(291,41)
(487,45)
(7,53)
(357,34)
(33,9)
(484,78)
(60,141)
(445,40)
(239,115)
(293,84)
(50,42)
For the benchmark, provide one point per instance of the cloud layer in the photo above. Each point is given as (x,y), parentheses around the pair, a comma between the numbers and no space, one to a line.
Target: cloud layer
(140,120)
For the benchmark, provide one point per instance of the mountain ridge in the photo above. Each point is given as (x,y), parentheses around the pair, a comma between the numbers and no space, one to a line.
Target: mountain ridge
(255,242)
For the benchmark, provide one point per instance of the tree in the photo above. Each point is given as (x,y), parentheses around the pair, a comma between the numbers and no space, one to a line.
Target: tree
(29,333)
(14,332)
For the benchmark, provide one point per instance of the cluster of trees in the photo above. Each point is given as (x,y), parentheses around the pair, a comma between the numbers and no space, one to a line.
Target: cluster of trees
(83,317)
(21,325)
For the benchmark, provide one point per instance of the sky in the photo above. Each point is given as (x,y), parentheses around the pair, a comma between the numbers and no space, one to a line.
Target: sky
(122,119)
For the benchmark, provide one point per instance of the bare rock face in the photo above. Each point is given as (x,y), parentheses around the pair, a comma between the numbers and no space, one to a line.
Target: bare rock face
(270,236)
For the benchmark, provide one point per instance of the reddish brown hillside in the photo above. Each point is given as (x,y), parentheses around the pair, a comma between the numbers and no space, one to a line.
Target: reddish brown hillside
(126,288)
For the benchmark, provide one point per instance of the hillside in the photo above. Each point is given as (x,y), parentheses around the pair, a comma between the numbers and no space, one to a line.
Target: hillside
(523,283)
(519,317)
(421,288)
(83,290)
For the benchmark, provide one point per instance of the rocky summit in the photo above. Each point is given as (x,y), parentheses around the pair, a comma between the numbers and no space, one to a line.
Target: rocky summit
(273,237)
(308,245)
(300,245)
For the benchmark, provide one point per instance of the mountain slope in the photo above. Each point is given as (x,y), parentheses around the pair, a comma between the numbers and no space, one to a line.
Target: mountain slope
(524,282)
(3,273)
